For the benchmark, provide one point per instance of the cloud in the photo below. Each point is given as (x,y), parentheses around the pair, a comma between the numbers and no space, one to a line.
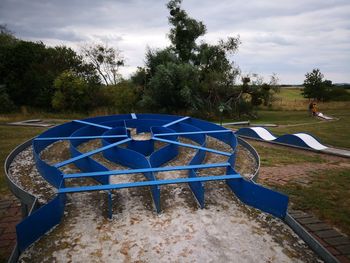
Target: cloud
(286,37)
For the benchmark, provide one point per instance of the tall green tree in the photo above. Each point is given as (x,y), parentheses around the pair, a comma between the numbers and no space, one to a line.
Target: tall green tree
(315,87)
(28,69)
(187,75)
(72,93)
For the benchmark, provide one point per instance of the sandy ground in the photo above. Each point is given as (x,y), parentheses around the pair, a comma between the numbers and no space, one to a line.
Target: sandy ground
(224,231)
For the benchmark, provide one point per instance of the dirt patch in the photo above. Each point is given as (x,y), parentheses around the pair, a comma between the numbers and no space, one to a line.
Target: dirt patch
(301,173)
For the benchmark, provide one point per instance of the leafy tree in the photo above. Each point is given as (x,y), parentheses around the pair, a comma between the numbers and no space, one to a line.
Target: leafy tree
(185,31)
(181,82)
(6,36)
(28,69)
(6,104)
(72,93)
(187,75)
(121,98)
(314,86)
(106,61)
(253,92)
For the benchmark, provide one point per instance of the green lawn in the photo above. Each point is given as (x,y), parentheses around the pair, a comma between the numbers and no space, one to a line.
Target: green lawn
(10,137)
(335,133)
(282,156)
(290,94)
(327,196)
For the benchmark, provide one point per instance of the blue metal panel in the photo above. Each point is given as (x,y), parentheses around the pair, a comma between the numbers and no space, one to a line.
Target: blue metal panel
(88,165)
(145,147)
(192,146)
(176,121)
(146,170)
(38,223)
(74,159)
(133,159)
(167,152)
(93,124)
(188,133)
(80,137)
(259,197)
(50,173)
(148,183)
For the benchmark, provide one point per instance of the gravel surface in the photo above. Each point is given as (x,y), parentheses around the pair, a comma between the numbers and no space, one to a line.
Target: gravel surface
(224,231)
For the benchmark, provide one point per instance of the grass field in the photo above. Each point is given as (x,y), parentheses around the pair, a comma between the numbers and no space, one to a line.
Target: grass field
(281,156)
(10,137)
(290,99)
(335,133)
(327,196)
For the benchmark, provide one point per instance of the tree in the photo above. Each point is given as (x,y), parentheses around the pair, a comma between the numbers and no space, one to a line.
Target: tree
(187,75)
(6,36)
(185,31)
(28,69)
(254,92)
(72,93)
(6,104)
(106,61)
(121,98)
(314,87)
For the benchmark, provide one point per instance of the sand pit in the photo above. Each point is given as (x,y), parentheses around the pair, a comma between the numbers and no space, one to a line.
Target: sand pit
(224,231)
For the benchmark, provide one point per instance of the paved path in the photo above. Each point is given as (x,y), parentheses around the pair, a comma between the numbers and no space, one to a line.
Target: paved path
(336,151)
(335,242)
(10,215)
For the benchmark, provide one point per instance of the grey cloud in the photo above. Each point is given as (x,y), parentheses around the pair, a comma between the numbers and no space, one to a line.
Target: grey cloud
(287,37)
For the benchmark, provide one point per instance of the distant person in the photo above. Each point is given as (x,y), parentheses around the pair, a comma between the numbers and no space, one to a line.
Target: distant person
(310,108)
(314,109)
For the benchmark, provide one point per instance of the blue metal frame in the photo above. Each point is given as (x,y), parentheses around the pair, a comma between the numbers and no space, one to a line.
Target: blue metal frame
(141,157)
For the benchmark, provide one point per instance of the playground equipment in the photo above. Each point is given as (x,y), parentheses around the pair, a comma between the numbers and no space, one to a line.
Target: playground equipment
(302,140)
(323,117)
(120,146)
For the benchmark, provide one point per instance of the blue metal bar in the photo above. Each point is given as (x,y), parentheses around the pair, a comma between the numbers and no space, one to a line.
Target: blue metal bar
(133,115)
(71,160)
(192,146)
(145,170)
(176,121)
(80,137)
(94,124)
(196,132)
(148,183)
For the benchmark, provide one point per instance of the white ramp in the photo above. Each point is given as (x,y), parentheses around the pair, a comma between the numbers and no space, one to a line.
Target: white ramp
(311,141)
(321,115)
(264,134)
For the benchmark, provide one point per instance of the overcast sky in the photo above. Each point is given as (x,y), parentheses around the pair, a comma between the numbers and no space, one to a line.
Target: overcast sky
(289,37)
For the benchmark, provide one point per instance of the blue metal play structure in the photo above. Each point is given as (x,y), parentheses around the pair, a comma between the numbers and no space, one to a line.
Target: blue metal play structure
(140,156)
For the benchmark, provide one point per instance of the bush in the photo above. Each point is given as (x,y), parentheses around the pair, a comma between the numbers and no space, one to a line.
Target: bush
(122,97)
(72,93)
(6,104)
(339,94)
